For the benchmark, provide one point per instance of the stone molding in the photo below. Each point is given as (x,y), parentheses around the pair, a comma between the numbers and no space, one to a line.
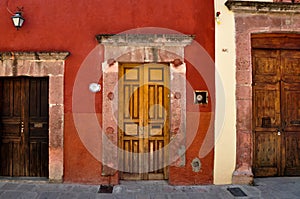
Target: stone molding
(37,56)
(146,40)
(41,64)
(262,7)
(144,48)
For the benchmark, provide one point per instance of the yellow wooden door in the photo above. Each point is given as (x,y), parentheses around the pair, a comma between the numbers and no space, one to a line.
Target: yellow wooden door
(143,121)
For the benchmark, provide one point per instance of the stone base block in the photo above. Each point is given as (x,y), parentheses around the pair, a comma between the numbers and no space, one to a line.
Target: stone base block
(56,181)
(242,179)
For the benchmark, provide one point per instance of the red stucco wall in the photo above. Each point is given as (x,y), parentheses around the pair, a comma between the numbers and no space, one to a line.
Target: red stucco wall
(53,25)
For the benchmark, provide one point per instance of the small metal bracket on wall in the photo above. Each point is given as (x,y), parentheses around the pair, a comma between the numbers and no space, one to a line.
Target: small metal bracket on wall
(200,97)
(196,165)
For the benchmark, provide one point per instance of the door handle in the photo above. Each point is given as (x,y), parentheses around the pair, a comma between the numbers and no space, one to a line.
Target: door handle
(22,127)
(22,133)
(279,131)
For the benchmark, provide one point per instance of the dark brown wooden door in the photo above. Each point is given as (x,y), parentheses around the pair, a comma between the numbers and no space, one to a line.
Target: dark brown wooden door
(24,126)
(143,120)
(276,112)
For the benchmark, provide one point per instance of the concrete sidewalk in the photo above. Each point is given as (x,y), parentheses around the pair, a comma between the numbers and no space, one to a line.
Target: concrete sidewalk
(273,188)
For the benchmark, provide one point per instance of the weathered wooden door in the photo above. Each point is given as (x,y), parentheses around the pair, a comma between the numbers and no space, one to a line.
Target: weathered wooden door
(276,112)
(143,120)
(24,126)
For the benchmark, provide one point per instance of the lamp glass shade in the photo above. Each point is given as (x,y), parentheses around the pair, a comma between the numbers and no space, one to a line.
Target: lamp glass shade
(18,20)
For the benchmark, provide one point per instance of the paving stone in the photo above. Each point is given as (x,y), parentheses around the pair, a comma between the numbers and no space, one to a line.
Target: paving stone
(134,190)
(1,184)
(276,188)
(142,196)
(10,195)
(269,195)
(178,196)
(26,187)
(10,186)
(27,195)
(106,196)
(48,195)
(199,189)
(159,196)
(124,196)
(87,195)
(94,188)
(151,189)
(257,197)
(118,189)
(169,189)
(296,192)
(53,187)
(251,191)
(85,188)
(229,196)
(68,195)
(286,195)
(196,195)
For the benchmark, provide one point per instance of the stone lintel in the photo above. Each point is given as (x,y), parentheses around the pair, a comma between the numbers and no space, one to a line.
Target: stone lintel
(33,55)
(262,7)
(145,40)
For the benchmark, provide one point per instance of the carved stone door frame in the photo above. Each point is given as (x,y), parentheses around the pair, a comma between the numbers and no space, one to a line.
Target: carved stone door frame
(43,64)
(143,48)
(251,17)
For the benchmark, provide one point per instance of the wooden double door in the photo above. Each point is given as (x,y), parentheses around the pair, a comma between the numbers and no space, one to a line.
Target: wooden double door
(143,121)
(276,112)
(24,126)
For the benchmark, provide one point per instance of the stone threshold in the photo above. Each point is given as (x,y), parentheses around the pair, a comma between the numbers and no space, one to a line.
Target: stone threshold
(29,180)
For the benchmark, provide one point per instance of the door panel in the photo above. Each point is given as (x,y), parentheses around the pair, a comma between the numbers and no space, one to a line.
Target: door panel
(267,153)
(292,161)
(24,144)
(291,127)
(266,105)
(156,120)
(276,112)
(266,66)
(143,116)
(290,61)
(12,153)
(38,127)
(130,121)
(266,112)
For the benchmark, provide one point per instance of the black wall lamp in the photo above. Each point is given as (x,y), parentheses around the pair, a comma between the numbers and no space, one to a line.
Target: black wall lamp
(18,19)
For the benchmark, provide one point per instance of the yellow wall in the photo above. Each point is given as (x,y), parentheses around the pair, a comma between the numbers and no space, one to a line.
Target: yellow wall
(225,131)
(225,124)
